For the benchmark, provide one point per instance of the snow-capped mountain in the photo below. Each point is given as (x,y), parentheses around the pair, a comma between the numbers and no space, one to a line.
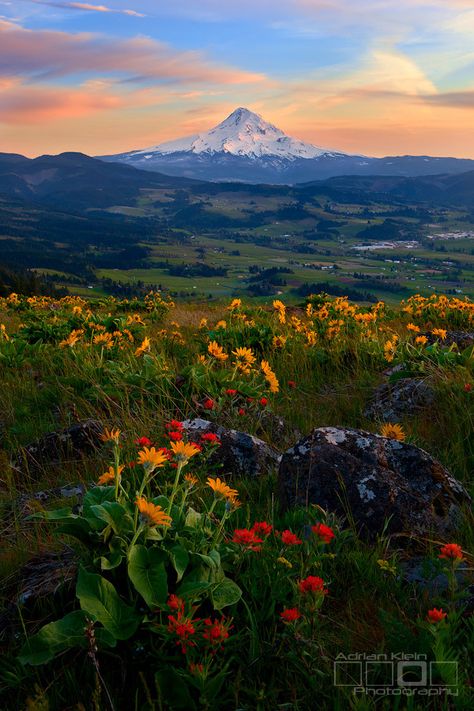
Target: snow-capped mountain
(245,147)
(243,133)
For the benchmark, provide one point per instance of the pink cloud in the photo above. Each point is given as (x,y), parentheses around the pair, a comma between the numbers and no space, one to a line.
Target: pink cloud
(86,6)
(44,54)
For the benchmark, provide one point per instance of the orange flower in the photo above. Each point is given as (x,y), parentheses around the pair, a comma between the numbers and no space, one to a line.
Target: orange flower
(151,459)
(110,435)
(151,514)
(394,431)
(216,351)
(221,488)
(110,475)
(183,451)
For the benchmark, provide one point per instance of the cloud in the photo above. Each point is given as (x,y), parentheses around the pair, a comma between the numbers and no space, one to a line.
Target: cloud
(44,55)
(452,99)
(86,6)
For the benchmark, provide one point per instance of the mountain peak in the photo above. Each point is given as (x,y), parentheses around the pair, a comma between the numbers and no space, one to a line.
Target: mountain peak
(243,133)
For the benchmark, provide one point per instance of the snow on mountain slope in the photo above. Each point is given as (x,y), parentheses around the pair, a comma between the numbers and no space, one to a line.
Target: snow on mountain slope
(243,133)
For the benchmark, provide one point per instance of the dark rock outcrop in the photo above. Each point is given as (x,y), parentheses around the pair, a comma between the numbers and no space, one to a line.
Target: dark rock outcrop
(55,447)
(407,396)
(239,454)
(371,480)
(461,339)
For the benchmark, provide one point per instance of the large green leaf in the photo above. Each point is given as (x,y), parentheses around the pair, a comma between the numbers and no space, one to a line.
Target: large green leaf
(146,570)
(95,497)
(60,635)
(225,593)
(180,559)
(100,600)
(115,515)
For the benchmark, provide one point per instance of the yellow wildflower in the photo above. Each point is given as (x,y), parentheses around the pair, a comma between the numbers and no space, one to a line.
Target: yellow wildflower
(110,475)
(151,459)
(216,351)
(183,451)
(220,487)
(393,431)
(110,435)
(144,347)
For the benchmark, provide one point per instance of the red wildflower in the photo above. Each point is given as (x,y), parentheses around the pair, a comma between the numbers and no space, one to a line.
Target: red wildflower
(166,451)
(262,528)
(174,425)
(436,615)
(175,603)
(290,539)
(143,442)
(210,437)
(467,387)
(241,411)
(183,629)
(312,584)
(175,436)
(323,532)
(250,399)
(231,392)
(248,538)
(290,614)
(217,631)
(196,669)
(208,404)
(291,384)
(263,401)
(451,551)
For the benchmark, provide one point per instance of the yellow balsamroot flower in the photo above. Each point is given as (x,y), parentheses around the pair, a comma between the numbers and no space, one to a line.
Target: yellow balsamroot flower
(389,350)
(221,488)
(110,475)
(284,561)
(216,351)
(309,310)
(311,338)
(3,333)
(412,327)
(72,339)
(386,566)
(104,339)
(234,304)
(441,332)
(280,308)
(144,347)
(279,341)
(135,318)
(394,431)
(203,323)
(191,480)
(221,324)
(244,358)
(183,451)
(270,376)
(151,459)
(421,340)
(151,514)
(110,435)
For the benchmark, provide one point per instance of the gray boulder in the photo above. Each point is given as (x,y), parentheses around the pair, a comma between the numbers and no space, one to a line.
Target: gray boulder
(407,396)
(56,447)
(239,454)
(369,479)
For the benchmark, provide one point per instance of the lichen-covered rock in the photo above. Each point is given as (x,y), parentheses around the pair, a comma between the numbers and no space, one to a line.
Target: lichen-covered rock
(55,447)
(239,454)
(407,396)
(370,480)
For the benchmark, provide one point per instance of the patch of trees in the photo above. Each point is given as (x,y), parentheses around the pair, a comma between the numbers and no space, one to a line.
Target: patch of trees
(334,290)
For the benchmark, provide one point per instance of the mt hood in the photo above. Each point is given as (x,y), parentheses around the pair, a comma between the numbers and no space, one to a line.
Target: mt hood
(245,147)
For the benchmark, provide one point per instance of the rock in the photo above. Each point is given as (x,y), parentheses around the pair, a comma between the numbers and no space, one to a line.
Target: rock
(461,339)
(392,401)
(240,454)
(56,447)
(28,503)
(370,479)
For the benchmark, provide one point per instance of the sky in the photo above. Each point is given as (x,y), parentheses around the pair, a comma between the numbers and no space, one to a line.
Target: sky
(376,77)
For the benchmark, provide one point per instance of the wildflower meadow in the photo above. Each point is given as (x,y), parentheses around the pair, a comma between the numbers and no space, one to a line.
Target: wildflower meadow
(158,579)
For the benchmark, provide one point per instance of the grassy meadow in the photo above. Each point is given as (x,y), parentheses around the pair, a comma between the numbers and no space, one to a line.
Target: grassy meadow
(184,591)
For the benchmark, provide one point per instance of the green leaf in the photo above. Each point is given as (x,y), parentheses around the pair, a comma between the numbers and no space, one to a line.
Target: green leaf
(115,515)
(60,635)
(225,593)
(174,690)
(100,600)
(146,570)
(180,559)
(193,518)
(95,497)
(56,515)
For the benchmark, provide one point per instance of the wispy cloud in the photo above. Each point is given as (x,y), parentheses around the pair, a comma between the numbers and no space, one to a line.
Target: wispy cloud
(46,54)
(87,6)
